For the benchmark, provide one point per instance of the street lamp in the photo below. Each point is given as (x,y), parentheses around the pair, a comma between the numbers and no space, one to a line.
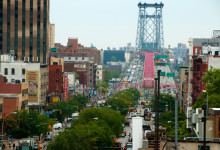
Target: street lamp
(3,119)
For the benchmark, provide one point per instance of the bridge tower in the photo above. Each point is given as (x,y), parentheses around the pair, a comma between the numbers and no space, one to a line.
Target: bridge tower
(150,27)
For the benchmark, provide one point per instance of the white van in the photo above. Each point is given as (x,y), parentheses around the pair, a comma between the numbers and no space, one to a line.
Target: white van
(57,126)
(75,115)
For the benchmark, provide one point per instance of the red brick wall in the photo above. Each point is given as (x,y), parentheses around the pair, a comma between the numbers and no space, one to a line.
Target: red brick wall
(10,105)
(2,80)
(53,75)
(9,88)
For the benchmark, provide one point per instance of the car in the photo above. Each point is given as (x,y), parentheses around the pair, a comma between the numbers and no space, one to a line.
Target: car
(123,134)
(128,146)
(47,137)
(127,123)
(57,126)
(68,125)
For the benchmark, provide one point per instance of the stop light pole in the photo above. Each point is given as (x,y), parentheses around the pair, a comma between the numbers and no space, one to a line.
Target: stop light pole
(157,102)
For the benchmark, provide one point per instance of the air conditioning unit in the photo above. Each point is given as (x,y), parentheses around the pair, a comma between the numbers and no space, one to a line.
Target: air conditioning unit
(189,115)
(194,118)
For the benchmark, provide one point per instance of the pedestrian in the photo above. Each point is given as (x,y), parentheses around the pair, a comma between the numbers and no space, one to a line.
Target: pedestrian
(14,146)
(9,144)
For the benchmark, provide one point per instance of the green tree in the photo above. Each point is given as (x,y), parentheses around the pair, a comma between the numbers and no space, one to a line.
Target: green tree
(182,130)
(63,109)
(27,124)
(122,100)
(165,99)
(102,87)
(212,81)
(93,129)
(114,59)
(111,74)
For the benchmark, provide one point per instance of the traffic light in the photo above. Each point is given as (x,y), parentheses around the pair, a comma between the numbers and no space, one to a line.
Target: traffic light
(181,109)
(49,126)
(61,112)
(3,115)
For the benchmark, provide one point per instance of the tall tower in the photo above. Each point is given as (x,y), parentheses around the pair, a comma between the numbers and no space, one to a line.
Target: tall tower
(150,27)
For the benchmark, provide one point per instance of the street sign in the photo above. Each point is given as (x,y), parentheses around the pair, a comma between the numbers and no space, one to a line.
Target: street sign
(162,74)
(170,74)
(161,56)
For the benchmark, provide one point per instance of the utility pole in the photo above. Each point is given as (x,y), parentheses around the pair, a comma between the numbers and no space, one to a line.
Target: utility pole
(176,124)
(157,111)
(204,129)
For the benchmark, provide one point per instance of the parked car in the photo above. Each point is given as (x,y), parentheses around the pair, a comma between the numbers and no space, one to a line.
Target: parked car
(47,137)
(127,123)
(68,125)
(57,126)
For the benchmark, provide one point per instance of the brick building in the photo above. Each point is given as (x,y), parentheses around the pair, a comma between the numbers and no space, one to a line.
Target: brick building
(55,79)
(203,53)
(74,47)
(12,96)
(19,72)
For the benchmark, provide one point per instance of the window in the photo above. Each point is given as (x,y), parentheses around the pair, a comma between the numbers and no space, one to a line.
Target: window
(38,28)
(90,81)
(12,80)
(57,80)
(83,58)
(23,71)
(6,71)
(55,63)
(45,31)
(8,25)
(97,72)
(69,58)
(97,77)
(23,27)
(218,123)
(76,58)
(12,71)
(90,69)
(23,80)
(57,71)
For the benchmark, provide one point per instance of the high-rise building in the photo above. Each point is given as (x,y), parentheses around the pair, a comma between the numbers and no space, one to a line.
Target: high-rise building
(51,35)
(24,26)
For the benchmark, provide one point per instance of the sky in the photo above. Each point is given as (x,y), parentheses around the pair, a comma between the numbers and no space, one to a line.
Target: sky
(113,23)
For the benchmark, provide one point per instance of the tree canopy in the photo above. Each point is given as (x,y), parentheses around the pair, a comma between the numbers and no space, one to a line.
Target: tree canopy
(94,128)
(212,81)
(102,87)
(123,99)
(165,99)
(63,109)
(182,130)
(114,59)
(111,74)
(27,124)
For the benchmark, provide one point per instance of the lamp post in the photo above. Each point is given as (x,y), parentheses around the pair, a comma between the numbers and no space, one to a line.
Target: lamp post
(3,119)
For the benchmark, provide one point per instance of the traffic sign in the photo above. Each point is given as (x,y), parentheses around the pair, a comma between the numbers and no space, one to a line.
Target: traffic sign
(170,74)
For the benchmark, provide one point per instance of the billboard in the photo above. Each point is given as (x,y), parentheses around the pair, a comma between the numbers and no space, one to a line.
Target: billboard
(32,77)
(65,85)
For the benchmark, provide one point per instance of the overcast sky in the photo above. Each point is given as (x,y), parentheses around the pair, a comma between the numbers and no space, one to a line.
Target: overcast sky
(113,23)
